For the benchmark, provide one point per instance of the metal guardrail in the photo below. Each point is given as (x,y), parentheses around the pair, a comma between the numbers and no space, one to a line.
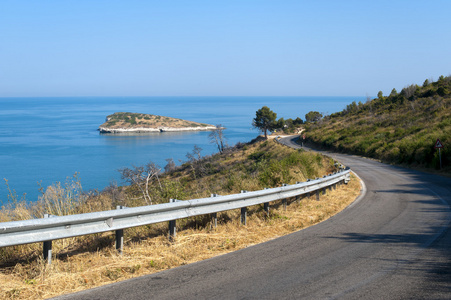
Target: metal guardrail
(59,227)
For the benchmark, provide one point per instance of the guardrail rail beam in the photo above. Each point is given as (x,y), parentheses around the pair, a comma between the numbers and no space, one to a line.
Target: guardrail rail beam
(51,228)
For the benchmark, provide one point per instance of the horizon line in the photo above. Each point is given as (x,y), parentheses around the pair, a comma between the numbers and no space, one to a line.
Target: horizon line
(209,96)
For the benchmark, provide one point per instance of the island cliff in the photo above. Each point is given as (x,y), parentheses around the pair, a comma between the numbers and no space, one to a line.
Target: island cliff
(125,122)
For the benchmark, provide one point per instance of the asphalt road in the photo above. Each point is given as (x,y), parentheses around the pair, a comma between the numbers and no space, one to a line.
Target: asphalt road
(394,242)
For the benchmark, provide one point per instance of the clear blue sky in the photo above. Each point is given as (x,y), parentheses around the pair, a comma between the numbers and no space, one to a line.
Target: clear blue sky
(220,48)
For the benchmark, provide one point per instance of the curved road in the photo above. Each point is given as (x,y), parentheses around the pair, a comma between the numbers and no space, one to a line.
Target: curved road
(393,243)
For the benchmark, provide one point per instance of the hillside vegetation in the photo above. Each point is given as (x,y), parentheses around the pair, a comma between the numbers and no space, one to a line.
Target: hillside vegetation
(253,166)
(89,261)
(400,128)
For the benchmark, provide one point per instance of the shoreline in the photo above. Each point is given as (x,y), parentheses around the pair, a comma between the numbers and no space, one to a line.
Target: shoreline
(153,129)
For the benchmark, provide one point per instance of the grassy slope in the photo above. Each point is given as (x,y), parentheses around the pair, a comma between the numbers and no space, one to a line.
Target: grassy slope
(89,261)
(401,128)
(246,167)
(130,120)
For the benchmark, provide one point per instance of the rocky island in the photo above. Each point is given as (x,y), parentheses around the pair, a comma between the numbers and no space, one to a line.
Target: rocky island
(125,122)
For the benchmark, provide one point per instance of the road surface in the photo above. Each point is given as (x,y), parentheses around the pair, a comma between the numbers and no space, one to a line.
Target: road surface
(393,243)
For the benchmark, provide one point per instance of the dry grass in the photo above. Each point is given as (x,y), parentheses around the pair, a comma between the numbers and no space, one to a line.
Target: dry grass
(150,251)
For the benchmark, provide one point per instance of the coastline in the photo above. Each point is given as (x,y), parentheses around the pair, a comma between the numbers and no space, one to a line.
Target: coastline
(154,129)
(61,139)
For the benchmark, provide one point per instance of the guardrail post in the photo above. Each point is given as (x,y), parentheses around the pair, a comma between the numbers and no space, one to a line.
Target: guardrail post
(266,207)
(317,192)
(324,189)
(348,177)
(120,236)
(172,228)
(284,200)
(244,213)
(309,195)
(47,247)
(298,197)
(214,216)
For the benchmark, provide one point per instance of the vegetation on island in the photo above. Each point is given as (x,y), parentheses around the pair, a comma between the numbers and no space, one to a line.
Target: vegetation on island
(400,128)
(131,120)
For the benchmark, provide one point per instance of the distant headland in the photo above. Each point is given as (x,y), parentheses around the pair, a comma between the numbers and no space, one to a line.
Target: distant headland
(125,122)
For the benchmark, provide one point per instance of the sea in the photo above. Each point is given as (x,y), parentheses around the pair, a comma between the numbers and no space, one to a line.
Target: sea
(47,140)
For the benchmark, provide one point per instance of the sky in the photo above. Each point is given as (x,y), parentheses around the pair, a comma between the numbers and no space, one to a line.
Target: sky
(54,48)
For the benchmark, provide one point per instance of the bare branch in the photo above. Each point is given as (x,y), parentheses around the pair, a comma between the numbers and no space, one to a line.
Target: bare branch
(217,137)
(142,174)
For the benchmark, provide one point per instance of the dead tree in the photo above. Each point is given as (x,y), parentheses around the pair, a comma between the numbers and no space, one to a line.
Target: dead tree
(217,137)
(195,160)
(141,176)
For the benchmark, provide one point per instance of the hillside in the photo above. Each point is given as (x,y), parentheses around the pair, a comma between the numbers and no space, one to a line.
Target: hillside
(137,122)
(90,261)
(400,128)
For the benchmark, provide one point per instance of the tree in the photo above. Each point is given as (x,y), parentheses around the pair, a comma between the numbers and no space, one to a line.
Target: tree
(195,159)
(298,121)
(393,92)
(113,192)
(140,176)
(195,155)
(280,124)
(409,91)
(217,137)
(265,120)
(289,125)
(442,91)
(351,108)
(170,166)
(313,116)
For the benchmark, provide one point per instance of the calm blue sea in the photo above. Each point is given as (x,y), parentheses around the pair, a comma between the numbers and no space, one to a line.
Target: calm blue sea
(49,139)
